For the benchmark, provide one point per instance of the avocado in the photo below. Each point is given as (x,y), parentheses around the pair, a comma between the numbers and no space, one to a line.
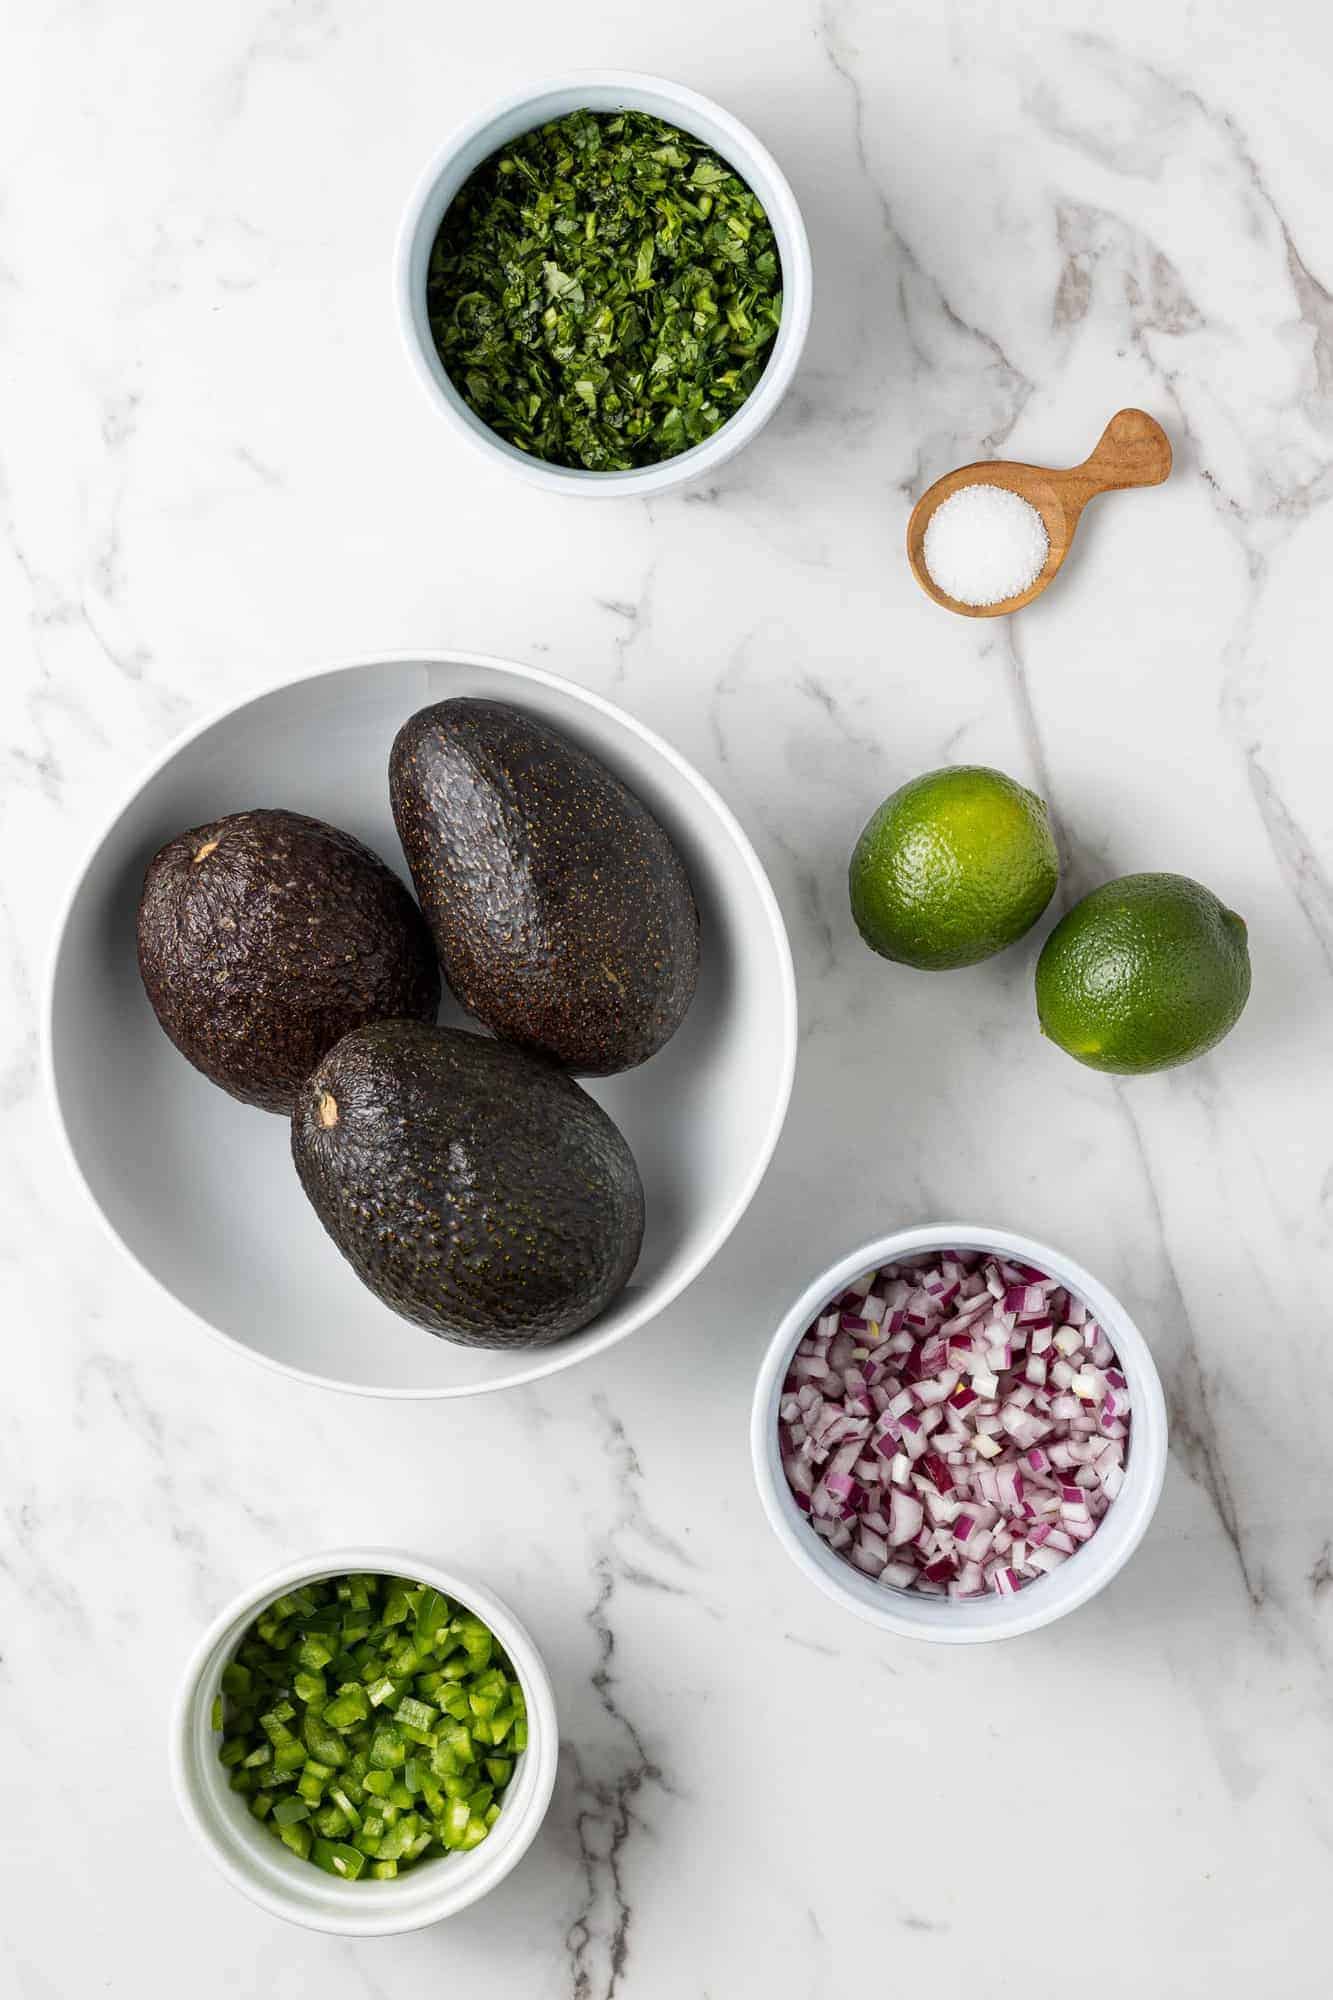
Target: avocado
(562,914)
(265,936)
(475,1188)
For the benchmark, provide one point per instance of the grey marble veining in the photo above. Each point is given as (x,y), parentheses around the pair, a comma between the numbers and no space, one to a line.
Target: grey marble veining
(214,470)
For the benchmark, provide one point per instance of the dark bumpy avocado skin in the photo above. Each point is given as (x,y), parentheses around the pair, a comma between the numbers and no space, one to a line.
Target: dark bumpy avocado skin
(475,1188)
(562,913)
(265,937)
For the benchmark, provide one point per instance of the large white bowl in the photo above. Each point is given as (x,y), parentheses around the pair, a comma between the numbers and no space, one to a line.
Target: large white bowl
(605,90)
(269,1873)
(966,1621)
(201,1190)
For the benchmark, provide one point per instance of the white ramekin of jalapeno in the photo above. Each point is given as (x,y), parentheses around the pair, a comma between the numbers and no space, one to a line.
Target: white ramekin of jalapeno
(364,1742)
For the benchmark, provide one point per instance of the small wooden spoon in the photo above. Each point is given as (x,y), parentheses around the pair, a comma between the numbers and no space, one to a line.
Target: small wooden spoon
(1133,450)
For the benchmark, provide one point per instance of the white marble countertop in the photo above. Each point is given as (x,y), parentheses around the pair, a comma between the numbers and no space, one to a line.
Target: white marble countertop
(215,468)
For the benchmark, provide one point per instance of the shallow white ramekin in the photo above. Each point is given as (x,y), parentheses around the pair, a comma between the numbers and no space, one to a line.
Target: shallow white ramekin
(538,104)
(269,1873)
(970,1620)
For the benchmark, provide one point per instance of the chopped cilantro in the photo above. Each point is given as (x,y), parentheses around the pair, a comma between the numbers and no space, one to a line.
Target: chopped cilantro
(604,291)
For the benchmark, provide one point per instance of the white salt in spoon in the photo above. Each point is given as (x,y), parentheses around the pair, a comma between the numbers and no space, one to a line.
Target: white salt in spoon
(1133,450)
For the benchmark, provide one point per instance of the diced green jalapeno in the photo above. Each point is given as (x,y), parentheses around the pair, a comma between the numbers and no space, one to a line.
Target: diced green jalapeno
(348,1706)
(337,1859)
(358,1718)
(432,1617)
(387,1749)
(416,1714)
(298,1838)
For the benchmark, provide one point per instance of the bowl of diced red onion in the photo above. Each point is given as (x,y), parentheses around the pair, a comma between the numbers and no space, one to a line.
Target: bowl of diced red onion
(959,1434)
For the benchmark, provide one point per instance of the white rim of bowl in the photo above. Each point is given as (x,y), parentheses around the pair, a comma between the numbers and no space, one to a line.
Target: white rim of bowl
(490,662)
(1041,1602)
(797,293)
(330,1905)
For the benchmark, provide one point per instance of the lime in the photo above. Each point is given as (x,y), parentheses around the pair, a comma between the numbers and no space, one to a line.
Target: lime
(952,868)
(1144,973)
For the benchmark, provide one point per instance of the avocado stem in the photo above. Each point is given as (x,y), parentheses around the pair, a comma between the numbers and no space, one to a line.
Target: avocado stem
(327,1108)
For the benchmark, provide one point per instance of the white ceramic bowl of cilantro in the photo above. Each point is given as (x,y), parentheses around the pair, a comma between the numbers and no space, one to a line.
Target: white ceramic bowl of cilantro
(968,1620)
(525,110)
(269,1873)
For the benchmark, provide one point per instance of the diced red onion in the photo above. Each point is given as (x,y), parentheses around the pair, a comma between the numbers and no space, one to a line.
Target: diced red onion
(955,1426)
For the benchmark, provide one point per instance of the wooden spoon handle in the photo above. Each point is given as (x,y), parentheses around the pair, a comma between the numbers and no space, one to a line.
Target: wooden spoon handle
(1133,450)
